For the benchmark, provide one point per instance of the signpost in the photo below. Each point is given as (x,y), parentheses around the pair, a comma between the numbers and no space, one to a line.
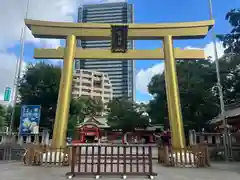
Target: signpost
(7,94)
(29,120)
(119,38)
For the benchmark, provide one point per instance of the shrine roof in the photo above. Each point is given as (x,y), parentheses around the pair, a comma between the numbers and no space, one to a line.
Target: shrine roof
(100,121)
(231,110)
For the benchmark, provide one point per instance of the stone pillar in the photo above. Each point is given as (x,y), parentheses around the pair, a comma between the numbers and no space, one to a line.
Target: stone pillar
(28,140)
(47,140)
(20,140)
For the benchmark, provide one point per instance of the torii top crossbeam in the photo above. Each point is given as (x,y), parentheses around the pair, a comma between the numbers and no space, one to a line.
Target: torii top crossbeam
(101,31)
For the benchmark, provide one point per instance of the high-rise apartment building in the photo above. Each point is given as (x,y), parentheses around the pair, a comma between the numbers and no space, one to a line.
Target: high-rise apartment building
(93,84)
(120,72)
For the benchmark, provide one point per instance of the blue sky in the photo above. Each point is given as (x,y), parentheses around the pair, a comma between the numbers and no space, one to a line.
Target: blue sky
(152,11)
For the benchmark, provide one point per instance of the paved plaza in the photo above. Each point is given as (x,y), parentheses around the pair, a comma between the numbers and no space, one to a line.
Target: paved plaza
(218,171)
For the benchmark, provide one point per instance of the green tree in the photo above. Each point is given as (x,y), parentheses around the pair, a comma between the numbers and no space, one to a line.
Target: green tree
(196,80)
(124,114)
(85,106)
(39,86)
(230,78)
(231,41)
(230,62)
(82,107)
(2,117)
(198,84)
(16,118)
(158,105)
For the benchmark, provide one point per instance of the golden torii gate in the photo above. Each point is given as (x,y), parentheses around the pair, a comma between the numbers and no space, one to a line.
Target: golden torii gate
(97,31)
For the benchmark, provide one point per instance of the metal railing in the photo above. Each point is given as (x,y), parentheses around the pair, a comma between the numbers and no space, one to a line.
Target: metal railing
(11,152)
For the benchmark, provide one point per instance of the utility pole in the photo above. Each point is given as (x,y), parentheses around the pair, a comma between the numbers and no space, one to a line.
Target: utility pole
(223,117)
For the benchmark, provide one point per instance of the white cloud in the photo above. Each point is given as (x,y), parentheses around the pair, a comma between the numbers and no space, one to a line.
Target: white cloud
(7,72)
(51,10)
(144,102)
(12,14)
(209,50)
(144,76)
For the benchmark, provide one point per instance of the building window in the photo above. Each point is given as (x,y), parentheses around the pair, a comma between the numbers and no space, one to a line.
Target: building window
(76,89)
(97,84)
(86,84)
(106,87)
(97,91)
(77,83)
(87,79)
(87,72)
(97,75)
(106,81)
(86,90)
(97,97)
(75,95)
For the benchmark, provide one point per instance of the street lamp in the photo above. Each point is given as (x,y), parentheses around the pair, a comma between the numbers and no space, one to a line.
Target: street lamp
(17,75)
(226,139)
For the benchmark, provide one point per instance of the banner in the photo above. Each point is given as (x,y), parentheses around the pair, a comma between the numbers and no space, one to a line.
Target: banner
(30,119)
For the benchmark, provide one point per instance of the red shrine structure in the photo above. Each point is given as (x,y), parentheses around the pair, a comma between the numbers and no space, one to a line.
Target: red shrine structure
(96,129)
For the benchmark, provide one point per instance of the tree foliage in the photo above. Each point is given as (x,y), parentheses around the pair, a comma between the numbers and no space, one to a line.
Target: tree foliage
(198,88)
(39,86)
(158,105)
(5,117)
(230,62)
(16,118)
(231,41)
(82,107)
(2,117)
(124,114)
(230,77)
(85,105)
(196,79)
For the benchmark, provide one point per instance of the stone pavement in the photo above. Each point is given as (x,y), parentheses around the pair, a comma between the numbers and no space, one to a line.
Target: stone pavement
(220,171)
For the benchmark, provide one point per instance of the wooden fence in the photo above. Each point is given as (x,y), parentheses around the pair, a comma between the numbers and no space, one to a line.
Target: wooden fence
(46,156)
(215,143)
(213,139)
(187,157)
(111,159)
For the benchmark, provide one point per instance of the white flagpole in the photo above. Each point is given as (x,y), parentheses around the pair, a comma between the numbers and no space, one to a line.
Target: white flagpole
(220,90)
(18,70)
